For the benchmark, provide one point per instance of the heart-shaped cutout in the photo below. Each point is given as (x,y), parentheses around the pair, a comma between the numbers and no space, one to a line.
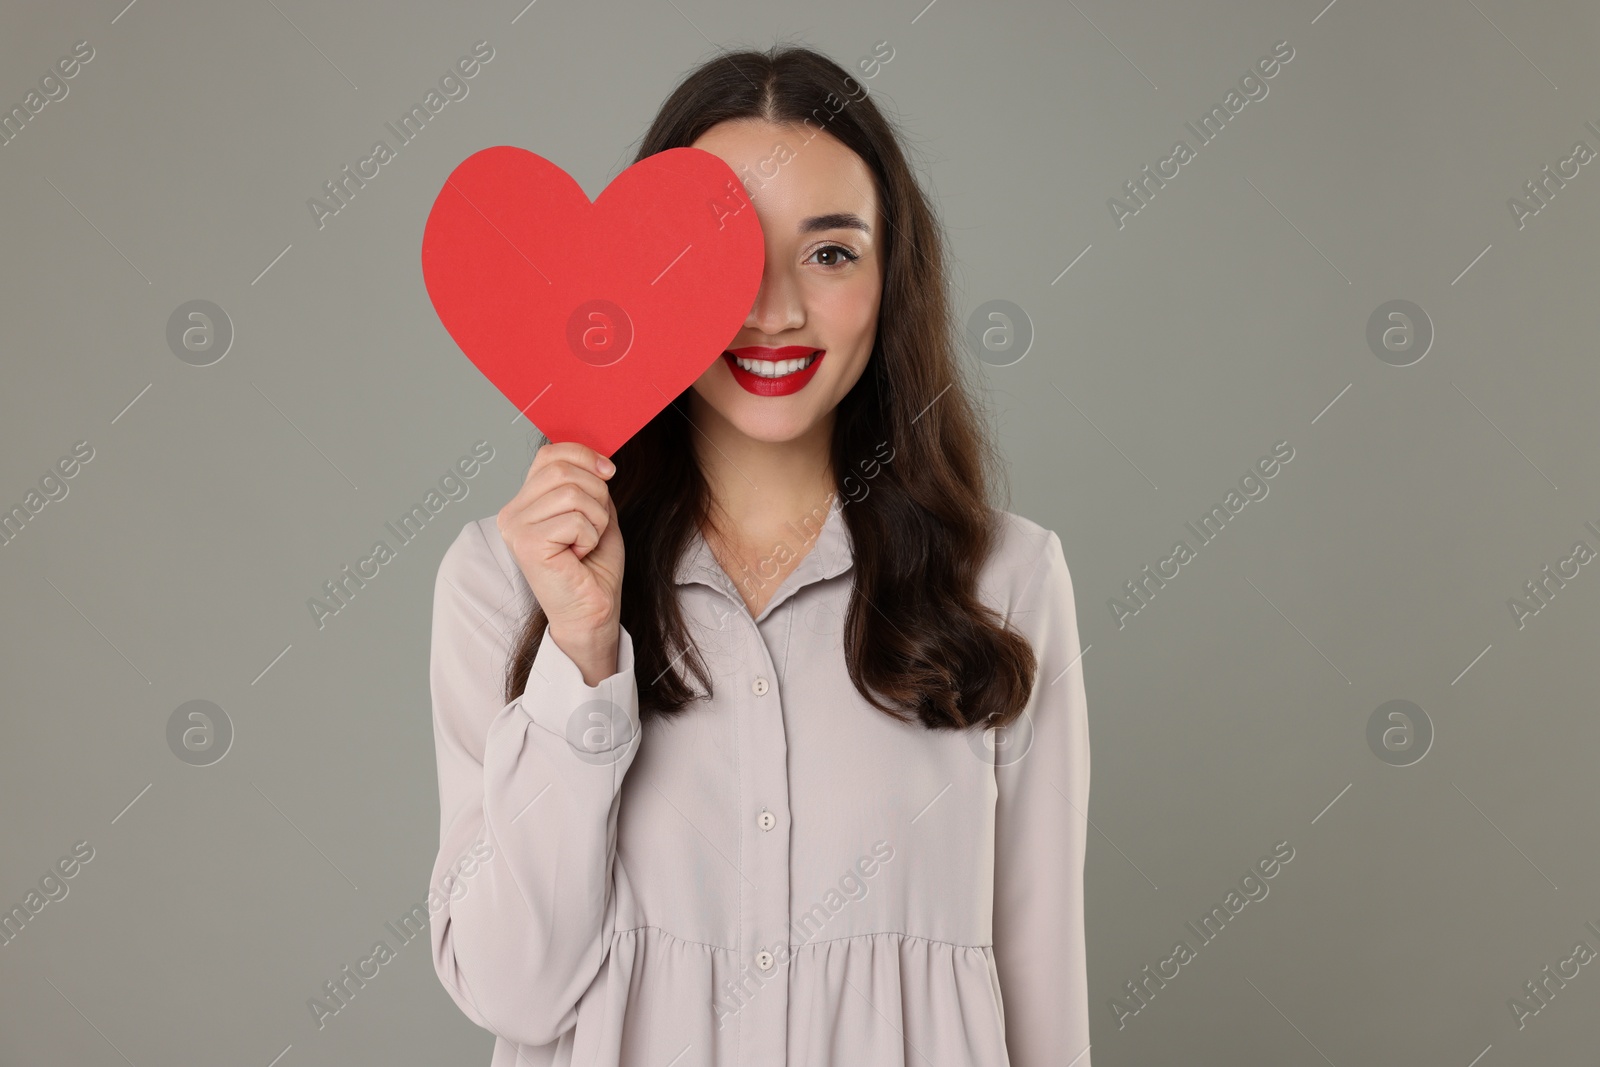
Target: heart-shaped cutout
(591,317)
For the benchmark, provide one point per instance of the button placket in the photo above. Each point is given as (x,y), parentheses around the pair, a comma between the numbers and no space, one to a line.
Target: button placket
(764,889)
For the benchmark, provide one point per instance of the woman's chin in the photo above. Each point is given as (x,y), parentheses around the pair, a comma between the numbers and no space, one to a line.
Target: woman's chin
(768,419)
(770,427)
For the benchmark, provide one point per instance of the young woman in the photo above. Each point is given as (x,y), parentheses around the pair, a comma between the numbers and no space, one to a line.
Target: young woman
(858,839)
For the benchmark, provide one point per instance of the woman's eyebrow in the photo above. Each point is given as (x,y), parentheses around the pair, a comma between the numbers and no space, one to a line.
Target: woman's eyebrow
(839,220)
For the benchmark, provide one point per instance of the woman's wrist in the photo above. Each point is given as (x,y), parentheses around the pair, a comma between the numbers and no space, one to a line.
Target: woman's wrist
(595,653)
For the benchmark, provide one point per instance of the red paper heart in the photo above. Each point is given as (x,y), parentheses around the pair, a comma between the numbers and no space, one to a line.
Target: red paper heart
(590,318)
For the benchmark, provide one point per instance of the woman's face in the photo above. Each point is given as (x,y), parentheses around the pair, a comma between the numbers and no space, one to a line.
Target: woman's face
(820,286)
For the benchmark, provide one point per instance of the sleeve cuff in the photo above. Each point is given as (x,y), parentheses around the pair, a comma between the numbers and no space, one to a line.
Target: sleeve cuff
(593,719)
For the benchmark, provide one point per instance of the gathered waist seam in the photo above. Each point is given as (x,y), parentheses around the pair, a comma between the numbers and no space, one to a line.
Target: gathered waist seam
(805,944)
(891,933)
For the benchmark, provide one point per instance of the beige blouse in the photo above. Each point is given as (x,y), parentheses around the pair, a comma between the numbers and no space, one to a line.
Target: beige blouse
(781,875)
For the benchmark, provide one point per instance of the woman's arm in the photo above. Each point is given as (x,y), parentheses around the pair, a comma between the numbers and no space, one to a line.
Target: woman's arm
(527,932)
(1041,814)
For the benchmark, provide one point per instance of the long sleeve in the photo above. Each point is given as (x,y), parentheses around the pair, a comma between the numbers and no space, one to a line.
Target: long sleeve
(1041,815)
(532,788)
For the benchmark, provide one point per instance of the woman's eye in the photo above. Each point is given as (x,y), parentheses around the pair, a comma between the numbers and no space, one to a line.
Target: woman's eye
(840,253)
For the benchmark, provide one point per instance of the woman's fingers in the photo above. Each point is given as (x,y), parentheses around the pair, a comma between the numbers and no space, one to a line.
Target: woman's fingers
(565,503)
(543,477)
(580,456)
(565,497)
(570,528)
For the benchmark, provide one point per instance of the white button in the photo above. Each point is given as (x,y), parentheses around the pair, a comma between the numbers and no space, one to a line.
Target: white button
(766,820)
(759,687)
(764,960)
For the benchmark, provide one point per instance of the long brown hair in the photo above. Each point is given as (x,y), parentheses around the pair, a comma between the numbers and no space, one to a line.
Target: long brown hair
(917,640)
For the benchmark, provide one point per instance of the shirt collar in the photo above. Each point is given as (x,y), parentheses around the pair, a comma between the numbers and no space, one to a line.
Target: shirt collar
(824,537)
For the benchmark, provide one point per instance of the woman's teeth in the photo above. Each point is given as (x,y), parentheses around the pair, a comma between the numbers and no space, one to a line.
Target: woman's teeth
(774,368)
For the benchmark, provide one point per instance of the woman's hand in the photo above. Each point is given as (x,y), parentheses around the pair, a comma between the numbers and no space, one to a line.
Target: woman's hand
(562,528)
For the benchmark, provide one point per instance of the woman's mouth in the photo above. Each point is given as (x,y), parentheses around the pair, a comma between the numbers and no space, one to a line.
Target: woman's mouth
(773,371)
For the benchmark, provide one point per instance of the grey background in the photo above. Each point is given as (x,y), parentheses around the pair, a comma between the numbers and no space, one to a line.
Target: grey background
(1226,316)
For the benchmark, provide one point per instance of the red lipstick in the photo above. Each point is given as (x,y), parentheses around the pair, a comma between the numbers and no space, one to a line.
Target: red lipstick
(792,382)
